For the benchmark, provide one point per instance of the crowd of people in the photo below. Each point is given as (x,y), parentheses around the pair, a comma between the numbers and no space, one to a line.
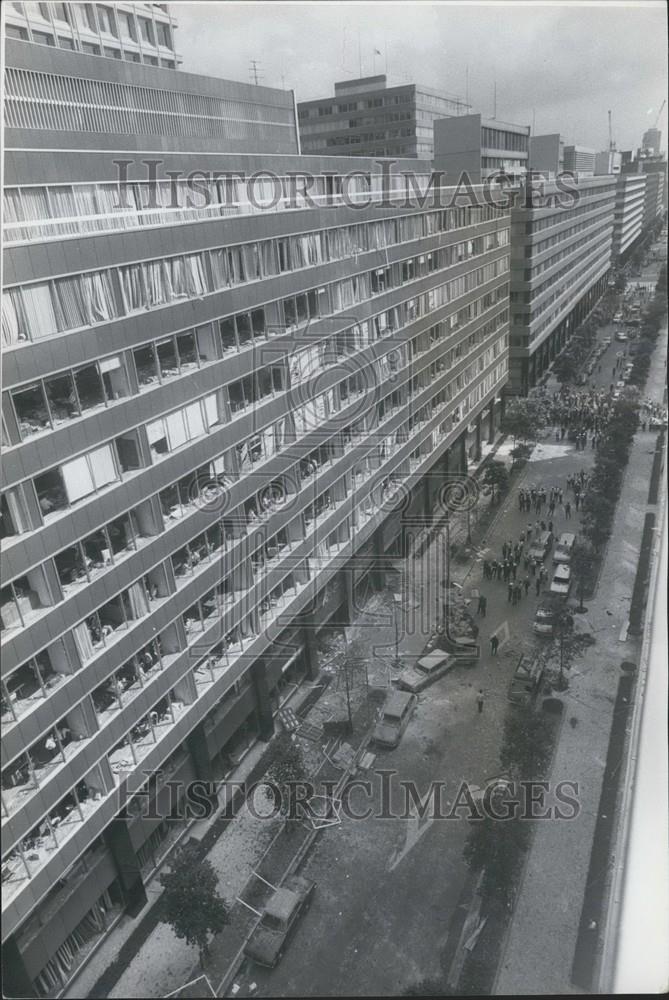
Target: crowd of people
(516,567)
(581,415)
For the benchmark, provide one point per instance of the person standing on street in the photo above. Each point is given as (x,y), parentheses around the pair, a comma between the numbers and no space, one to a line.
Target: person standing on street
(479,700)
(537,585)
(509,592)
(483,604)
(526,585)
(494,644)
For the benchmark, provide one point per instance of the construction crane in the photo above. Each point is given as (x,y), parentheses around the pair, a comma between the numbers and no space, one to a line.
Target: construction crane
(657,120)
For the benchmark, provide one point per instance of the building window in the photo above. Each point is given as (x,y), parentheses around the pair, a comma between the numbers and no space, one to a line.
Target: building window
(106,21)
(164,35)
(126,23)
(146,30)
(42,38)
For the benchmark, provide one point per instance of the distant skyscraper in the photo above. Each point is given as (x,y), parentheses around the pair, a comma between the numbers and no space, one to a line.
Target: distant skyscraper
(366,117)
(579,159)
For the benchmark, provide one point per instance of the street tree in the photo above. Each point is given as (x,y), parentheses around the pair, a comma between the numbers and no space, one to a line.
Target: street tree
(497,848)
(496,476)
(286,768)
(191,904)
(598,514)
(525,419)
(526,744)
(584,566)
(566,367)
(569,644)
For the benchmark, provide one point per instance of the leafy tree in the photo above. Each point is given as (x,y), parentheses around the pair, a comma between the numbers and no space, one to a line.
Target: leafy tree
(496,476)
(498,847)
(597,519)
(568,645)
(525,419)
(566,367)
(526,744)
(584,566)
(286,768)
(191,903)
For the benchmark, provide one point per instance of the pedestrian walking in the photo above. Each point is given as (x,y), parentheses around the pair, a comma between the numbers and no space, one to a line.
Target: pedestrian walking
(528,532)
(509,592)
(479,700)
(483,604)
(514,569)
(494,644)
(567,510)
(577,501)
(537,585)
(550,527)
(526,585)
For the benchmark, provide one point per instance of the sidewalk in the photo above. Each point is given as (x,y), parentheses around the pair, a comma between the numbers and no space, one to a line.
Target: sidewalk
(543,937)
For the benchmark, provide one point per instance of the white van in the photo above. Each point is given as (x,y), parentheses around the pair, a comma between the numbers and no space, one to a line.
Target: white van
(564,548)
(561,581)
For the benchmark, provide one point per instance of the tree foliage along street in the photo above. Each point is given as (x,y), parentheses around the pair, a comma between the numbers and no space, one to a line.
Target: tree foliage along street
(525,419)
(496,477)
(285,768)
(584,567)
(191,903)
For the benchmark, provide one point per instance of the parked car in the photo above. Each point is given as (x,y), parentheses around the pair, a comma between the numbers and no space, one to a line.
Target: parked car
(427,670)
(526,680)
(395,715)
(621,337)
(541,546)
(546,614)
(564,548)
(618,317)
(561,581)
(280,915)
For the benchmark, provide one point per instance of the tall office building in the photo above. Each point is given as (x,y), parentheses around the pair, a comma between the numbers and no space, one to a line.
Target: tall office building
(547,154)
(211,396)
(134,32)
(366,117)
(561,255)
(608,162)
(480,147)
(629,213)
(579,159)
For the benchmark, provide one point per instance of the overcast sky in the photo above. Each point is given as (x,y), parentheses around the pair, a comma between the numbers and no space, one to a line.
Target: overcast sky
(564,64)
